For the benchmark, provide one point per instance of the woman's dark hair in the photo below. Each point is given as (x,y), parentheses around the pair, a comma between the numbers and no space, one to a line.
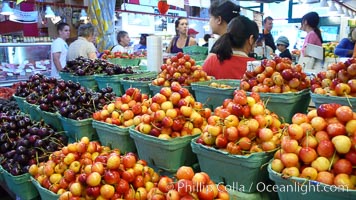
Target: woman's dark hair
(121,34)
(176,23)
(61,25)
(227,10)
(238,32)
(313,19)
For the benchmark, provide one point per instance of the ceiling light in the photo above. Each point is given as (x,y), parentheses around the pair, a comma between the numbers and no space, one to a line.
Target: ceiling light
(83,14)
(347,13)
(341,11)
(6,9)
(324,3)
(49,12)
(333,7)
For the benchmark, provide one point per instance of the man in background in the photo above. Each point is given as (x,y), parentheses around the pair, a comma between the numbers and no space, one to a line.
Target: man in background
(59,49)
(192,32)
(267,27)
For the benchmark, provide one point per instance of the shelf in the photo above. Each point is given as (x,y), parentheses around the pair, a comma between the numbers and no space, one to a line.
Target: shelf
(25,44)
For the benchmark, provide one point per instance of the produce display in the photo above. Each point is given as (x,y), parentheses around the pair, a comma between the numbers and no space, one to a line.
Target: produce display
(219,85)
(84,66)
(242,125)
(139,78)
(320,146)
(173,113)
(188,185)
(338,80)
(108,54)
(6,92)
(38,84)
(87,169)
(24,142)
(275,76)
(329,49)
(125,110)
(182,69)
(9,107)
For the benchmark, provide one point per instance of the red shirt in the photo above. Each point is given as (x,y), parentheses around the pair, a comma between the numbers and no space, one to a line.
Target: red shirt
(233,68)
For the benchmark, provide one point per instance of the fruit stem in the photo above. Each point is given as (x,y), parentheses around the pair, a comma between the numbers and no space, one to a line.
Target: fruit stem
(348,100)
(332,160)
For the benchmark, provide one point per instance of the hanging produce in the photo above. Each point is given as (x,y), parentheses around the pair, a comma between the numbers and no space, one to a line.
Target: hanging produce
(163,6)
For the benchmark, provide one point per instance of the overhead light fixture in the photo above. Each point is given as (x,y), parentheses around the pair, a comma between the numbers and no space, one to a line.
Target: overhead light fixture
(324,3)
(333,7)
(341,11)
(49,12)
(347,13)
(83,14)
(6,9)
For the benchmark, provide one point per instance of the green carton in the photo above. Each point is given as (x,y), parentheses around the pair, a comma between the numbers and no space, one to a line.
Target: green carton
(142,85)
(319,99)
(33,111)
(76,129)
(213,97)
(45,194)
(167,155)
(114,136)
(51,119)
(21,185)
(242,172)
(112,81)
(295,188)
(196,52)
(87,81)
(20,102)
(124,62)
(66,76)
(285,105)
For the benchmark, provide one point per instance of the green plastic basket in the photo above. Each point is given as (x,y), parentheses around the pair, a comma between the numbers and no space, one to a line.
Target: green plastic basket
(319,99)
(142,85)
(198,53)
(66,76)
(20,102)
(156,89)
(114,136)
(111,80)
(33,111)
(285,105)
(245,172)
(168,155)
(124,62)
(295,188)
(1,174)
(20,185)
(76,129)
(87,81)
(213,97)
(45,194)
(51,119)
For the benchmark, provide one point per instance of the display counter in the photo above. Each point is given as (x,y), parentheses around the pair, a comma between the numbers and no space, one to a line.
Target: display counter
(18,61)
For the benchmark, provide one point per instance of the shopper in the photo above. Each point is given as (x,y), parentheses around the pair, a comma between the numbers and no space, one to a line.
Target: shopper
(230,52)
(181,39)
(83,46)
(345,48)
(59,49)
(267,28)
(282,45)
(123,41)
(221,13)
(192,32)
(142,44)
(206,39)
(310,22)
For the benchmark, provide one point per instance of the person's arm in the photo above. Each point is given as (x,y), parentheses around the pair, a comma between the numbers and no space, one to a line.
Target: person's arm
(92,52)
(192,41)
(341,50)
(56,60)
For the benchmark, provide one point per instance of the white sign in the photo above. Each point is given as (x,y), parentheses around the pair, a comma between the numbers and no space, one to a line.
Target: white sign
(178,3)
(205,3)
(24,17)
